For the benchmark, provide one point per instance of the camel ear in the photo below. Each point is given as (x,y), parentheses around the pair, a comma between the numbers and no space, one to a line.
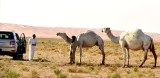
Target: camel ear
(73,39)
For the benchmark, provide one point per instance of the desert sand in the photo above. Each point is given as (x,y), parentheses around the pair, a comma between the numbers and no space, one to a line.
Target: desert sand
(50,32)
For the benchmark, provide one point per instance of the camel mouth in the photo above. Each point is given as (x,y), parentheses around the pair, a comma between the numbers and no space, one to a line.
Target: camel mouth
(102,31)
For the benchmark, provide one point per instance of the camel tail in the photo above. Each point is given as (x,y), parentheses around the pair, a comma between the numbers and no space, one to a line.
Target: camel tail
(152,49)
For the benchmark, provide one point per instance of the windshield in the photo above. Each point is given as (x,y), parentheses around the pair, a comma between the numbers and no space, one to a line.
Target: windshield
(6,35)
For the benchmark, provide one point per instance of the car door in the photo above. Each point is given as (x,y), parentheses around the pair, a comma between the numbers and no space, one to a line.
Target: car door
(22,43)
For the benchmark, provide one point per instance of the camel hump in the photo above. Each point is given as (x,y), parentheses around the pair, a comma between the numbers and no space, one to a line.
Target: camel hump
(88,32)
(138,31)
(135,32)
(92,33)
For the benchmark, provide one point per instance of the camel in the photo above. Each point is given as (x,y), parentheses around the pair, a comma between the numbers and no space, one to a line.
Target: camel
(134,40)
(83,40)
(65,37)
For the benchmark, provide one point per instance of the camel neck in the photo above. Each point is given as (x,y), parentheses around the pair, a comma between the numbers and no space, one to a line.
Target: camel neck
(69,40)
(113,38)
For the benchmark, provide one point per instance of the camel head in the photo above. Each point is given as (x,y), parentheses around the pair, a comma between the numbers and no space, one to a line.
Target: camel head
(106,30)
(74,39)
(62,34)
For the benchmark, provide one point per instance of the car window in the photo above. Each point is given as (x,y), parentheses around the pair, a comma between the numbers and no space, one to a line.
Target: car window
(6,35)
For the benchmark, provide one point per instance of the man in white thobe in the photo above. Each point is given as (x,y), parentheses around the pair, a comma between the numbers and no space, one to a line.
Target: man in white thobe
(32,45)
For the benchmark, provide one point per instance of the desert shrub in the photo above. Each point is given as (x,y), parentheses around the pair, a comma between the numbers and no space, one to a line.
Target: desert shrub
(54,66)
(7,60)
(82,70)
(61,76)
(72,70)
(20,63)
(95,69)
(112,69)
(135,73)
(1,75)
(76,69)
(75,76)
(25,68)
(33,74)
(114,75)
(41,60)
(135,69)
(12,74)
(151,74)
(2,64)
(59,73)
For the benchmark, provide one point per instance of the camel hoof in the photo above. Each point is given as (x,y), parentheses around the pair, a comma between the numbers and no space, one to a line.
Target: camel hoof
(123,66)
(102,64)
(79,64)
(70,63)
(128,66)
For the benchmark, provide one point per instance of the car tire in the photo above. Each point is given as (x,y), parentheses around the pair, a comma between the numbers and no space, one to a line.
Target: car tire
(17,56)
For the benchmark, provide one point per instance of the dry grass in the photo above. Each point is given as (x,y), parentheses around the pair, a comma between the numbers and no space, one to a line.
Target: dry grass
(52,58)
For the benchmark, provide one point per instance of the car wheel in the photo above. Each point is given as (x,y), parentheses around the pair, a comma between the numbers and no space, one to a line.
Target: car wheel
(17,56)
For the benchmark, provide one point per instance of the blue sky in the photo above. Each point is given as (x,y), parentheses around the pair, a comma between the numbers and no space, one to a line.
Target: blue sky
(116,14)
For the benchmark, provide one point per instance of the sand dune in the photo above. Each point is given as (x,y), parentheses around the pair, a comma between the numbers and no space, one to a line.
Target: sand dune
(50,32)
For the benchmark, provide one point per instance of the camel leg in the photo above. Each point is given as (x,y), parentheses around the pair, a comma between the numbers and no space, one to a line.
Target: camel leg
(80,50)
(72,57)
(145,57)
(103,54)
(124,56)
(152,49)
(71,54)
(128,56)
(155,57)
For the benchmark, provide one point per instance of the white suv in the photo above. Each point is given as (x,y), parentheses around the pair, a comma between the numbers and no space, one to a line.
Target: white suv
(11,44)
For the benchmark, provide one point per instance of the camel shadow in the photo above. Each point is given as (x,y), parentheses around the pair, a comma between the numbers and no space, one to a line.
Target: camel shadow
(150,66)
(111,65)
(83,64)
(41,60)
(132,66)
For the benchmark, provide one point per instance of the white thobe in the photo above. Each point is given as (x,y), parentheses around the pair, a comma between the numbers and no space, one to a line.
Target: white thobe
(32,45)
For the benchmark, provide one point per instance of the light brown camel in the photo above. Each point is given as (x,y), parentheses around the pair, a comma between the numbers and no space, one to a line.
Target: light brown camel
(134,40)
(65,37)
(86,39)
